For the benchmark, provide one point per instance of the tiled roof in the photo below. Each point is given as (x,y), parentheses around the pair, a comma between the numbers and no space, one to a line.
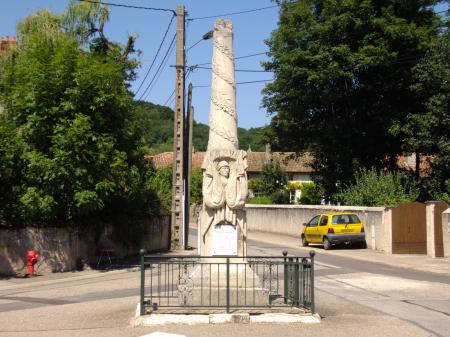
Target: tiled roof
(289,162)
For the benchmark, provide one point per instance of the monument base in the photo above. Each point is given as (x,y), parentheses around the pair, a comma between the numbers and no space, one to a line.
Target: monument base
(209,284)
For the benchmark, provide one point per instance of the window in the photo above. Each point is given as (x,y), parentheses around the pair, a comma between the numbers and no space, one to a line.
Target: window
(324,220)
(314,221)
(345,219)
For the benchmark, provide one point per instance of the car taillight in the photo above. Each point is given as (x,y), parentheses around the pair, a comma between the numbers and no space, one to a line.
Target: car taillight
(362,229)
(330,230)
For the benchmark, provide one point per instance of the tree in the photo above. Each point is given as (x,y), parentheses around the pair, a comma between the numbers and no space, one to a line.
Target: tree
(65,90)
(342,77)
(427,130)
(274,177)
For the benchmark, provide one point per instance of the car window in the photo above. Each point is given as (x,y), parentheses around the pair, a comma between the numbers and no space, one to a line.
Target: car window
(324,221)
(314,221)
(345,219)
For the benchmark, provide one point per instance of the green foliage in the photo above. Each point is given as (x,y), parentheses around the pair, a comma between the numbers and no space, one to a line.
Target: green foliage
(260,200)
(280,197)
(71,141)
(311,194)
(196,186)
(253,138)
(256,185)
(428,128)
(343,71)
(378,188)
(274,177)
(161,184)
(11,163)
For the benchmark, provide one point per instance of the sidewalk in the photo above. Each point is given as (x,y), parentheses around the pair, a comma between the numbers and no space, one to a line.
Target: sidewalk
(409,261)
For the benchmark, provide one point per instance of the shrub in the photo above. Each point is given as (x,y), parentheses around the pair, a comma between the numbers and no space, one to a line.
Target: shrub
(312,194)
(378,188)
(261,200)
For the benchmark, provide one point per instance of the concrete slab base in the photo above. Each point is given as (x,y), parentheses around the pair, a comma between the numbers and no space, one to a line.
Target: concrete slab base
(164,319)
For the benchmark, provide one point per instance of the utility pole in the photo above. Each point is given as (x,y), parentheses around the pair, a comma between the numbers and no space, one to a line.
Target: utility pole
(177,234)
(189,123)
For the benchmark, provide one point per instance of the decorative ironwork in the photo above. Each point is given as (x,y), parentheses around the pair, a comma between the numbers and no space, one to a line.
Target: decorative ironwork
(227,282)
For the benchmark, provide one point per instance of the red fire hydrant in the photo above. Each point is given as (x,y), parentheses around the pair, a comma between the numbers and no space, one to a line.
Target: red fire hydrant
(32,259)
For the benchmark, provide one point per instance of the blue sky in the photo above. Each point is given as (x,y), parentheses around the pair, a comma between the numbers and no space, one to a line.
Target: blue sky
(250,31)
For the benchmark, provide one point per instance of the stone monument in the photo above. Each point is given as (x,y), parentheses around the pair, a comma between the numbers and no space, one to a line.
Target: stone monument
(222,221)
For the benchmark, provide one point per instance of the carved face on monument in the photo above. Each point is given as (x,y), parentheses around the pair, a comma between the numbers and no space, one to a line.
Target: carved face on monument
(224,169)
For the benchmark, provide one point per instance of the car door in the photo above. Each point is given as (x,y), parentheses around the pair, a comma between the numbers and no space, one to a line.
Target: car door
(311,229)
(323,228)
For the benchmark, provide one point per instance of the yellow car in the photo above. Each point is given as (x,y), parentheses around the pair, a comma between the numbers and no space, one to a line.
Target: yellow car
(334,228)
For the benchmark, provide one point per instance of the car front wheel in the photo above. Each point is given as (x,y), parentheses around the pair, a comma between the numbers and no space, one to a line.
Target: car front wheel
(326,244)
(304,241)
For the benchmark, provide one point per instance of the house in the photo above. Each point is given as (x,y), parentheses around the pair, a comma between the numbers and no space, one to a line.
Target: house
(298,168)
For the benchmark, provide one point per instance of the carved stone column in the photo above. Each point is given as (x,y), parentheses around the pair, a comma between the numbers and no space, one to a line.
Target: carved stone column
(222,220)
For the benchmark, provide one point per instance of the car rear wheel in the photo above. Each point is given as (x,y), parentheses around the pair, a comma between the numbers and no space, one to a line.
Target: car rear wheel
(363,245)
(305,242)
(326,244)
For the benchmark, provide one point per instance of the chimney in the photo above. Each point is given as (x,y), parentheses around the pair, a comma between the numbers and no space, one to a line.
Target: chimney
(13,38)
(6,38)
(268,154)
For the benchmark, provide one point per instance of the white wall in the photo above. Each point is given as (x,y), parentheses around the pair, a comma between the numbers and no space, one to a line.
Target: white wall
(288,219)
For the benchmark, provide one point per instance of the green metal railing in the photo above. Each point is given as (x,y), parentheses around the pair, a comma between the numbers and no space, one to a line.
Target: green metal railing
(226,282)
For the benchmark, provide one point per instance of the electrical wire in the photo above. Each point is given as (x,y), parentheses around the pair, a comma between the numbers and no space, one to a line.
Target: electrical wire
(156,56)
(236,58)
(129,6)
(234,13)
(160,69)
(237,83)
(160,65)
(237,70)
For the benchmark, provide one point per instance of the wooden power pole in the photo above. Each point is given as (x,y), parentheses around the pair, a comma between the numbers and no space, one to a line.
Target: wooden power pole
(178,180)
(188,163)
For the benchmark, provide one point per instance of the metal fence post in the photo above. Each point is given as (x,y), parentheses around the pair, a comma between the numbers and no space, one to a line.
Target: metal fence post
(142,302)
(296,283)
(228,285)
(311,254)
(286,276)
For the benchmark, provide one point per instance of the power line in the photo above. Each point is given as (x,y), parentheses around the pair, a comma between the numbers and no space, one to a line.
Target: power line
(129,6)
(234,13)
(160,65)
(251,55)
(160,71)
(237,83)
(237,70)
(156,56)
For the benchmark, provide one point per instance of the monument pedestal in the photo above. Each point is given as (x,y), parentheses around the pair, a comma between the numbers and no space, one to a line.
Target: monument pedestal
(207,285)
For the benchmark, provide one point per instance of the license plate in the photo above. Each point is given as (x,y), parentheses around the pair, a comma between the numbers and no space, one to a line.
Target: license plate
(347,230)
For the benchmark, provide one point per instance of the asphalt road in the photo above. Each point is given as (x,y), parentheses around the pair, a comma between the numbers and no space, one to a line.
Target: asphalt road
(355,298)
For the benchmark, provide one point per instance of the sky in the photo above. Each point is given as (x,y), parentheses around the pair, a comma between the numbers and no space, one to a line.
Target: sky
(250,31)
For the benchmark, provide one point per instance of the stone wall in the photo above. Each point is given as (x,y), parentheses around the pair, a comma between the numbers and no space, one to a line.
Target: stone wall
(60,248)
(288,219)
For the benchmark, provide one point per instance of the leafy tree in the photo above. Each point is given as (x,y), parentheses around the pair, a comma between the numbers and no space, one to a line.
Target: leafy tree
(76,136)
(161,183)
(427,130)
(274,177)
(342,78)
(379,188)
